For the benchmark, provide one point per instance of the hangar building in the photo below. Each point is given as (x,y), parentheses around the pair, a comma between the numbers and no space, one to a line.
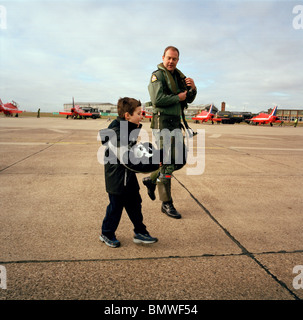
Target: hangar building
(289,115)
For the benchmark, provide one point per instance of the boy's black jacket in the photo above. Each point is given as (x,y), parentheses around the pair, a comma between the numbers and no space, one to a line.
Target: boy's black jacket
(118,177)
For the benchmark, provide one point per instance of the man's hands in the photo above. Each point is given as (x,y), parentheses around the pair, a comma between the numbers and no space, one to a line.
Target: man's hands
(190,83)
(182,95)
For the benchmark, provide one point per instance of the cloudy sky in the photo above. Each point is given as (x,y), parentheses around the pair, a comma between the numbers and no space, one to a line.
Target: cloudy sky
(246,53)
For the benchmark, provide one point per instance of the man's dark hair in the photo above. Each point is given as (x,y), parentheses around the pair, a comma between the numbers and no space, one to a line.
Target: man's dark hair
(127,105)
(173,48)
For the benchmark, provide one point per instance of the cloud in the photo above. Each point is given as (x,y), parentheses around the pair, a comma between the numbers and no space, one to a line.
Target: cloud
(241,52)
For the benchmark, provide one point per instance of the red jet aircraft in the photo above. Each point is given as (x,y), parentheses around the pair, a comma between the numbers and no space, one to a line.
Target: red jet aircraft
(264,118)
(9,108)
(204,116)
(76,111)
(146,114)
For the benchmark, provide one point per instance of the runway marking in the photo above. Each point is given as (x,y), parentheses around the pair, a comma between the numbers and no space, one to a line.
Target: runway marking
(214,148)
(215,135)
(58,130)
(170,257)
(263,148)
(25,143)
(44,143)
(71,142)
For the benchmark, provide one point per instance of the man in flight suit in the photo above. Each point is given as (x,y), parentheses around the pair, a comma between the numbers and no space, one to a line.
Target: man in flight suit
(170,91)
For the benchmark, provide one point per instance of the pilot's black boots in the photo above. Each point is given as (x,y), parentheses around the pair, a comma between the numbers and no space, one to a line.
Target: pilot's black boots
(170,210)
(151,187)
(164,189)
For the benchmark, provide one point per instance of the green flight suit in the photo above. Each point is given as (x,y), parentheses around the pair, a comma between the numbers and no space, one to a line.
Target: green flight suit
(164,88)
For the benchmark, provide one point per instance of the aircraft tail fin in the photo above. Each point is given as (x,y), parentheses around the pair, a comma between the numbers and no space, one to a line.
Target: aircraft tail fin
(274,111)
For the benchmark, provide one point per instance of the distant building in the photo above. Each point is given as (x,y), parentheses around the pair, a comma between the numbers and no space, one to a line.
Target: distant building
(289,115)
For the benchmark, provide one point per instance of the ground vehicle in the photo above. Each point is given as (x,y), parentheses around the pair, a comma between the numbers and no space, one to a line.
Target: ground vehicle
(95,112)
(76,112)
(232,117)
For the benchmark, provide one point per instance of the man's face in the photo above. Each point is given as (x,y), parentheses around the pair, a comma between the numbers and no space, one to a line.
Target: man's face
(170,60)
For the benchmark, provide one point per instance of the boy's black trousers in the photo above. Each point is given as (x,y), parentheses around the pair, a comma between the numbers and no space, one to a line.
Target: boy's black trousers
(132,204)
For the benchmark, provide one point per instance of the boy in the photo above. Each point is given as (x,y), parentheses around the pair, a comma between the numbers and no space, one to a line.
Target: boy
(120,180)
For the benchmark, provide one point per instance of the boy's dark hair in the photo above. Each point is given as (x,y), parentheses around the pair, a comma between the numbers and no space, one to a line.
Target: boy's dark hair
(127,105)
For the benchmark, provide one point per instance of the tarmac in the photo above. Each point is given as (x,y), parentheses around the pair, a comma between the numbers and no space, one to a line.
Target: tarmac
(240,236)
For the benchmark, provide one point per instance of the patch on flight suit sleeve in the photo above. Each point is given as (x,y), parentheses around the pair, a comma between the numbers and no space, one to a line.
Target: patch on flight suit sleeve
(154,78)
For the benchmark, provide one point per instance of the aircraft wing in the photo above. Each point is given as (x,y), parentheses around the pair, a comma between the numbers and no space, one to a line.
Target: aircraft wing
(259,120)
(84,114)
(79,113)
(12,110)
(66,113)
(198,118)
